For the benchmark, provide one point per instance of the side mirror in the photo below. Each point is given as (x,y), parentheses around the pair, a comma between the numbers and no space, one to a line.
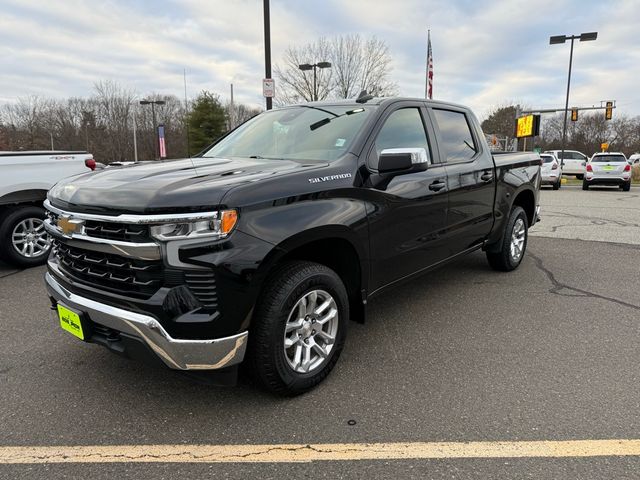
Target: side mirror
(402,160)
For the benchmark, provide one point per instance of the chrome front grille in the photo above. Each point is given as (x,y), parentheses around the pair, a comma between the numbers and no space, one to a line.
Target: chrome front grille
(124,232)
(140,278)
(117,231)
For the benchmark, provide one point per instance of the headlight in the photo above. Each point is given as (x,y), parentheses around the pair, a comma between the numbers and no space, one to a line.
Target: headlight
(218,226)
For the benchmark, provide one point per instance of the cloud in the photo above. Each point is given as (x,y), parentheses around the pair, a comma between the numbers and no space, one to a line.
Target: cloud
(485,52)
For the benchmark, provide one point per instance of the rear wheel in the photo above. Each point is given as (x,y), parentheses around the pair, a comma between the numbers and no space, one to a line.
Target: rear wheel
(23,240)
(626,186)
(585,185)
(514,243)
(556,185)
(579,177)
(299,328)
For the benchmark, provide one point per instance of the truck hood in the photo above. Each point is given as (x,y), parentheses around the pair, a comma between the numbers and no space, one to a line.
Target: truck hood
(167,186)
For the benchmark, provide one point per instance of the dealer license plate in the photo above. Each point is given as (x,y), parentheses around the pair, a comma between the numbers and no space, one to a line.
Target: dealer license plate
(70,321)
(608,167)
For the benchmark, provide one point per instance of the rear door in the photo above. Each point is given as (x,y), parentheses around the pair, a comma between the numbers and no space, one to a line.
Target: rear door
(410,212)
(470,172)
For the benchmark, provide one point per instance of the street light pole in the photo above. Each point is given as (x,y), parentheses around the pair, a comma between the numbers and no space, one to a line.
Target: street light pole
(583,37)
(307,66)
(267,47)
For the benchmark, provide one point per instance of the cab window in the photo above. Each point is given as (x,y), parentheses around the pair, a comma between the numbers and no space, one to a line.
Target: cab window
(402,129)
(455,133)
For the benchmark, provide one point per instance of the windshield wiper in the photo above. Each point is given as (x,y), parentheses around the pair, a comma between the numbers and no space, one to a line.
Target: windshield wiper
(324,121)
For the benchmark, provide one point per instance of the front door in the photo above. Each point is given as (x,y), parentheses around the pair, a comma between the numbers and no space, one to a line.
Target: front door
(410,212)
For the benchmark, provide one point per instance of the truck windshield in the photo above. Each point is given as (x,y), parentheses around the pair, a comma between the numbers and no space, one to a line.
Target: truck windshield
(302,133)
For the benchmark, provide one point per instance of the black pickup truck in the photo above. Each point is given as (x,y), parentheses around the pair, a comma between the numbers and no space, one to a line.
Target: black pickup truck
(265,245)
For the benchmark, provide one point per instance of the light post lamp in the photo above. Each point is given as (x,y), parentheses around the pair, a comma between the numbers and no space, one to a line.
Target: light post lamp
(583,37)
(153,104)
(308,66)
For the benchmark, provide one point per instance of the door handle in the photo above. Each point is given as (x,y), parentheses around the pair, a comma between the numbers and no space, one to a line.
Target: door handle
(437,185)
(486,176)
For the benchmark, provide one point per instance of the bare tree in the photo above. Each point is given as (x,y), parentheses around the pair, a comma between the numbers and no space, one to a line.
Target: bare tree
(356,64)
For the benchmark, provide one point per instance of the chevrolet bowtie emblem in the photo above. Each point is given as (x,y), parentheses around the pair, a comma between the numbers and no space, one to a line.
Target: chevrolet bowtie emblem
(69,225)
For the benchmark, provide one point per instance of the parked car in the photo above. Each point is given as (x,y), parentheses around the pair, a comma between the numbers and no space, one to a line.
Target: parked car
(551,170)
(573,162)
(25,178)
(608,168)
(281,232)
(634,159)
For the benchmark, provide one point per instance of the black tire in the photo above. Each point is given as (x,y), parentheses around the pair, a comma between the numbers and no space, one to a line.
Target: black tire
(284,288)
(556,185)
(580,177)
(626,187)
(585,185)
(502,259)
(7,250)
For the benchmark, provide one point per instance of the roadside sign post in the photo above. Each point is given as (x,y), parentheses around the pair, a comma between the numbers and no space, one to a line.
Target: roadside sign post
(268,87)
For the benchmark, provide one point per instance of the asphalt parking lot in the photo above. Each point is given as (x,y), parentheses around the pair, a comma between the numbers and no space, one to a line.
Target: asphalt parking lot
(549,352)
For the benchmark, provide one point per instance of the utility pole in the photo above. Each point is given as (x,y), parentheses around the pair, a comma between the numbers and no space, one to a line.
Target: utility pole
(232,113)
(267,47)
(135,139)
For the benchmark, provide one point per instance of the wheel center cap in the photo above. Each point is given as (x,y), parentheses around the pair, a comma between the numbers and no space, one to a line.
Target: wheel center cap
(306,329)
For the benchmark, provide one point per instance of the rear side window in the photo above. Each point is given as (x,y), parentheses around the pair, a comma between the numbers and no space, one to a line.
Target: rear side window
(546,158)
(456,135)
(403,129)
(608,158)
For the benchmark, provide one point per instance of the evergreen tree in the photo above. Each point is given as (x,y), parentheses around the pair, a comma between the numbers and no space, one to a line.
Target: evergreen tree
(207,121)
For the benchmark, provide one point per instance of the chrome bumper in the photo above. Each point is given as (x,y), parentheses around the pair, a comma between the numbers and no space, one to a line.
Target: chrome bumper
(175,353)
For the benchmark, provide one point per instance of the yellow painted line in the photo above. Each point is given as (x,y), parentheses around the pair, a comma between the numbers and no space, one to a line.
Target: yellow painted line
(315,452)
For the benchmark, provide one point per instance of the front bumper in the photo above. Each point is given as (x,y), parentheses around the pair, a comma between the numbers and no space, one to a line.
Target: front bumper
(178,354)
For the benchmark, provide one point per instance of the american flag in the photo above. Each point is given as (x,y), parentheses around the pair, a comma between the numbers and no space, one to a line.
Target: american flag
(429,87)
(163,148)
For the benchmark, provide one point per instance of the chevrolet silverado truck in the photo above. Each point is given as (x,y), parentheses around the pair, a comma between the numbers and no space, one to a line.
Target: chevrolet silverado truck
(263,247)
(25,178)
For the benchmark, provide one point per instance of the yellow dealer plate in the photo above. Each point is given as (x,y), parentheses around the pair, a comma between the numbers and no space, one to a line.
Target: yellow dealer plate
(70,321)
(608,167)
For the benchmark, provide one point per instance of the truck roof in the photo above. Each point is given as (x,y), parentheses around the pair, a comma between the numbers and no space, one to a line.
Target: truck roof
(378,101)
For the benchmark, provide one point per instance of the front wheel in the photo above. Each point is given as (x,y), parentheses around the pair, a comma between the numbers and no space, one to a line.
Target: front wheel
(514,243)
(23,239)
(299,328)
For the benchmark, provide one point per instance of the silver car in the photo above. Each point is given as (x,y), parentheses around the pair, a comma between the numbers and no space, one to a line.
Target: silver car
(551,170)
(610,168)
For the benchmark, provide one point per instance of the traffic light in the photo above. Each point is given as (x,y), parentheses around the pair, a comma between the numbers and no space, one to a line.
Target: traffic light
(608,113)
(574,114)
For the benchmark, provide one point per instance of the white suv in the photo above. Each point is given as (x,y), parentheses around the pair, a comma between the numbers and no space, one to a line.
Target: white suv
(608,168)
(572,163)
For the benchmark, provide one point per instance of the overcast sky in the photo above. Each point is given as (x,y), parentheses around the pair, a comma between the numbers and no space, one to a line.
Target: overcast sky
(486,53)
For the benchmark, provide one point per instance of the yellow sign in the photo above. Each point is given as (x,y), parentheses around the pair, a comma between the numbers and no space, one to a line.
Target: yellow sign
(604,146)
(70,321)
(525,126)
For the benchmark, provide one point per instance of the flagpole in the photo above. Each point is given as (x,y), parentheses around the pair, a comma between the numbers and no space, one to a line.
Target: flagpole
(428,92)
(426,75)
